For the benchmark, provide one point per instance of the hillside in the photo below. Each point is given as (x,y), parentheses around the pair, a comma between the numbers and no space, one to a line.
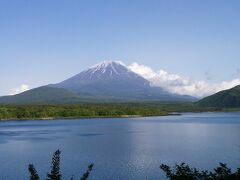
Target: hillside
(228,99)
(41,95)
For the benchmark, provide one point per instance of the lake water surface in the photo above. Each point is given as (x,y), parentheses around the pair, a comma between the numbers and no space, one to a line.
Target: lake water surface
(120,148)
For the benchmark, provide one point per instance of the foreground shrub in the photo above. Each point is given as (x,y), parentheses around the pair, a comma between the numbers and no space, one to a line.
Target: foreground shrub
(184,172)
(55,173)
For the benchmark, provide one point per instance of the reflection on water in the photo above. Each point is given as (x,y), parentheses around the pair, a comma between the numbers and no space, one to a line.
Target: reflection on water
(120,148)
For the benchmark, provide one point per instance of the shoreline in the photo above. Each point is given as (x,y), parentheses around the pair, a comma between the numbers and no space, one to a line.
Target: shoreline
(108,117)
(98,111)
(90,117)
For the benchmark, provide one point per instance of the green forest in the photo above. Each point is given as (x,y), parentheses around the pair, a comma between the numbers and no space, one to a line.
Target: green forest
(97,110)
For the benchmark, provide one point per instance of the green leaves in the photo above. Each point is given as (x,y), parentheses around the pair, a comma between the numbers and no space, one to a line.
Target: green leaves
(86,174)
(55,168)
(55,173)
(33,172)
(184,172)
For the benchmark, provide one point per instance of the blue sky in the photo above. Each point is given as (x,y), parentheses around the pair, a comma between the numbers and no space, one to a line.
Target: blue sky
(47,41)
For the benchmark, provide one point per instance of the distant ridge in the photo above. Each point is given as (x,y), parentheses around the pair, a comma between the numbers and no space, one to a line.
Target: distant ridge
(228,98)
(109,81)
(41,95)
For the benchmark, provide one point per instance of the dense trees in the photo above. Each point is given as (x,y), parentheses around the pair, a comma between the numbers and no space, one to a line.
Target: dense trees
(94,110)
(184,172)
(73,111)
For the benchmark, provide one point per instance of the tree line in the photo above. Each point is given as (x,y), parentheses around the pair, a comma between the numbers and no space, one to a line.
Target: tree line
(95,110)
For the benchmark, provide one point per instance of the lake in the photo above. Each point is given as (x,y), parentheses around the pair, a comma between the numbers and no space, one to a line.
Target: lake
(121,148)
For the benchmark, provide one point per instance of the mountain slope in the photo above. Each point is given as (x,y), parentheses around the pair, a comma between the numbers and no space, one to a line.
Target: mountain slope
(113,80)
(228,98)
(109,81)
(41,95)
(106,76)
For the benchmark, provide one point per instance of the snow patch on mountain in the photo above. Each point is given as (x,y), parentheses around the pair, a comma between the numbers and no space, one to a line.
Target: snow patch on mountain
(109,67)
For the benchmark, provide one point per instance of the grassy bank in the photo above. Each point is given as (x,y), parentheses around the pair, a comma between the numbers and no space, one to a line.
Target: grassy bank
(98,110)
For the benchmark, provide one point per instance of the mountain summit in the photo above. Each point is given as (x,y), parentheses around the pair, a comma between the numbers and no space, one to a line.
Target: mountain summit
(104,73)
(106,81)
(108,69)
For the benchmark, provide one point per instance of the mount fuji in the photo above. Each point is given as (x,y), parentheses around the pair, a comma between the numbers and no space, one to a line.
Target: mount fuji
(108,81)
(106,77)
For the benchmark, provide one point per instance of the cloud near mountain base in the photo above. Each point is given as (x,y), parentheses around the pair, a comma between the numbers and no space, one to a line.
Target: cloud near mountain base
(181,85)
(19,89)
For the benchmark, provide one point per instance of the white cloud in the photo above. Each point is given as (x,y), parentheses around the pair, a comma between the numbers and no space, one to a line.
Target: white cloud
(181,85)
(19,89)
